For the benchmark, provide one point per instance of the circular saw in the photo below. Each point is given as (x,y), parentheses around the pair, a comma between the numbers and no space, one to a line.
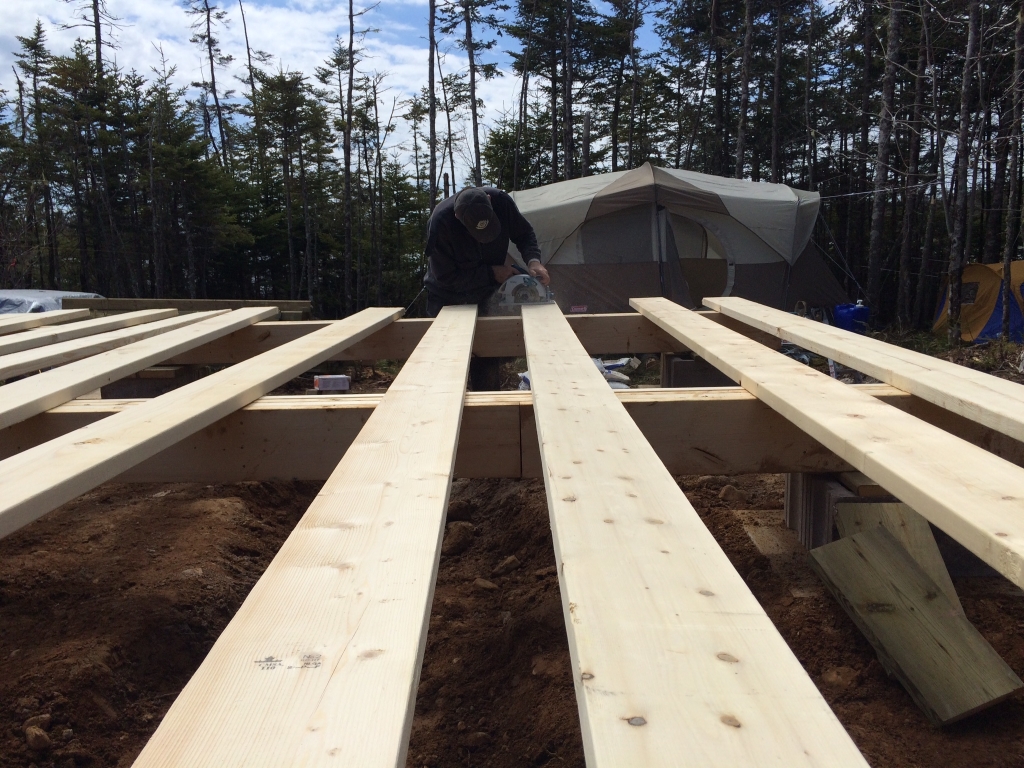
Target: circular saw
(517,291)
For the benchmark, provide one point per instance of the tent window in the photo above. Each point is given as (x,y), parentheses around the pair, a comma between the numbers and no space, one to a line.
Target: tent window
(623,237)
(969,293)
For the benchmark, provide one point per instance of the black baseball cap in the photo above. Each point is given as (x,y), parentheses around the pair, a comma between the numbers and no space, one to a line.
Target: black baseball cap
(473,209)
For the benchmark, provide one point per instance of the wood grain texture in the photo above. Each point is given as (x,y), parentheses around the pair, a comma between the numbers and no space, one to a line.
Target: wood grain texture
(42,478)
(22,321)
(909,529)
(320,665)
(186,305)
(32,360)
(970,494)
(27,397)
(674,661)
(40,337)
(947,667)
(981,397)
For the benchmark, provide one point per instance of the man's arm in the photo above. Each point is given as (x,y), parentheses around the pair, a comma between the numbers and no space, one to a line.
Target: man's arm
(448,273)
(521,233)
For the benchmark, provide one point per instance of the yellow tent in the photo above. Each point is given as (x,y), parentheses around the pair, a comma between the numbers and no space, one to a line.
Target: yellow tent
(981,313)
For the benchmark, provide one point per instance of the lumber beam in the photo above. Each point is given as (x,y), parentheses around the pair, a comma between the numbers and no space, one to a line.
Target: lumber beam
(996,403)
(321,663)
(42,478)
(674,660)
(32,360)
(40,337)
(720,431)
(186,305)
(495,337)
(27,397)
(23,321)
(921,638)
(969,493)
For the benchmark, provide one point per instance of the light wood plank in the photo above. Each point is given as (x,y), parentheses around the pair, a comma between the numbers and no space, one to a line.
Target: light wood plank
(40,337)
(187,305)
(947,667)
(862,485)
(27,397)
(979,396)
(909,529)
(22,321)
(970,494)
(321,663)
(45,477)
(675,662)
(31,360)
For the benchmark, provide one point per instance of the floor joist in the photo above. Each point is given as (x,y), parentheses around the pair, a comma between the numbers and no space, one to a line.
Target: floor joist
(27,397)
(967,492)
(42,478)
(32,360)
(23,321)
(674,660)
(40,337)
(989,400)
(320,665)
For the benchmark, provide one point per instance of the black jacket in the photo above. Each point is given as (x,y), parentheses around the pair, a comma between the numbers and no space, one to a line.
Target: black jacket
(458,267)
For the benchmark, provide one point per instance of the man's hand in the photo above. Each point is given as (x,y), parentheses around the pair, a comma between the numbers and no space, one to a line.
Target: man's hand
(502,273)
(540,272)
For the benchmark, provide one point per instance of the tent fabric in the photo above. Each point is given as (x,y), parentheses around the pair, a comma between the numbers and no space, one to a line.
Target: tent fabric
(678,221)
(981,312)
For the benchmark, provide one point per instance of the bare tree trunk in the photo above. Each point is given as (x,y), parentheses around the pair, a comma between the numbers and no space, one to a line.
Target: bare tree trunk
(885,120)
(567,75)
(1013,214)
(912,194)
(926,259)
(467,16)
(635,76)
(777,97)
(809,70)
(741,127)
(586,144)
(432,104)
(956,245)
(554,115)
(347,151)
(213,85)
(616,112)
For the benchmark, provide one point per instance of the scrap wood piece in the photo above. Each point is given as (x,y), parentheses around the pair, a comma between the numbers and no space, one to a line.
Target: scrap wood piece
(42,478)
(909,529)
(674,661)
(945,664)
(320,665)
(981,397)
(971,494)
(22,321)
(62,353)
(27,397)
(40,337)
(862,485)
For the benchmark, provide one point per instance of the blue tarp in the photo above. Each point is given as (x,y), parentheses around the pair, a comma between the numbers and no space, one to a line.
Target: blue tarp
(27,300)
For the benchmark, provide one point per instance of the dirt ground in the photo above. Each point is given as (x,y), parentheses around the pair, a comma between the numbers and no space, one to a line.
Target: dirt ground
(109,604)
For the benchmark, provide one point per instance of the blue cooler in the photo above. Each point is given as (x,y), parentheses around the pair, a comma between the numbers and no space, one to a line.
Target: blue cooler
(852,317)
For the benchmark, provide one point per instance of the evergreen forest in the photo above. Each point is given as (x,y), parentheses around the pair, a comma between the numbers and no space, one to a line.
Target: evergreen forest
(905,115)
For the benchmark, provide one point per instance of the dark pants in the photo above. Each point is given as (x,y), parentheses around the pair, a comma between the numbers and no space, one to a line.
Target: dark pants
(484,372)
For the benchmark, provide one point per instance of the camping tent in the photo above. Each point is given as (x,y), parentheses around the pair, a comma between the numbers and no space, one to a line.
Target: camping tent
(981,312)
(660,232)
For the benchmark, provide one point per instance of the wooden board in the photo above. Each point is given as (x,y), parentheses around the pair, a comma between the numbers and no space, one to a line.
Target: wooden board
(947,667)
(970,494)
(909,529)
(37,480)
(32,360)
(862,485)
(994,402)
(186,305)
(22,321)
(27,397)
(320,665)
(40,337)
(674,661)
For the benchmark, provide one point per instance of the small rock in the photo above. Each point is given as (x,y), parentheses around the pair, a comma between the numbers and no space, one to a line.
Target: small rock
(36,738)
(485,584)
(732,495)
(67,734)
(840,677)
(551,570)
(476,740)
(457,538)
(39,721)
(507,565)
(787,600)
(192,573)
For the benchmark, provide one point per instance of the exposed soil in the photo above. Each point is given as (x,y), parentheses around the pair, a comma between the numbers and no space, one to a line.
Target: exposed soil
(109,604)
